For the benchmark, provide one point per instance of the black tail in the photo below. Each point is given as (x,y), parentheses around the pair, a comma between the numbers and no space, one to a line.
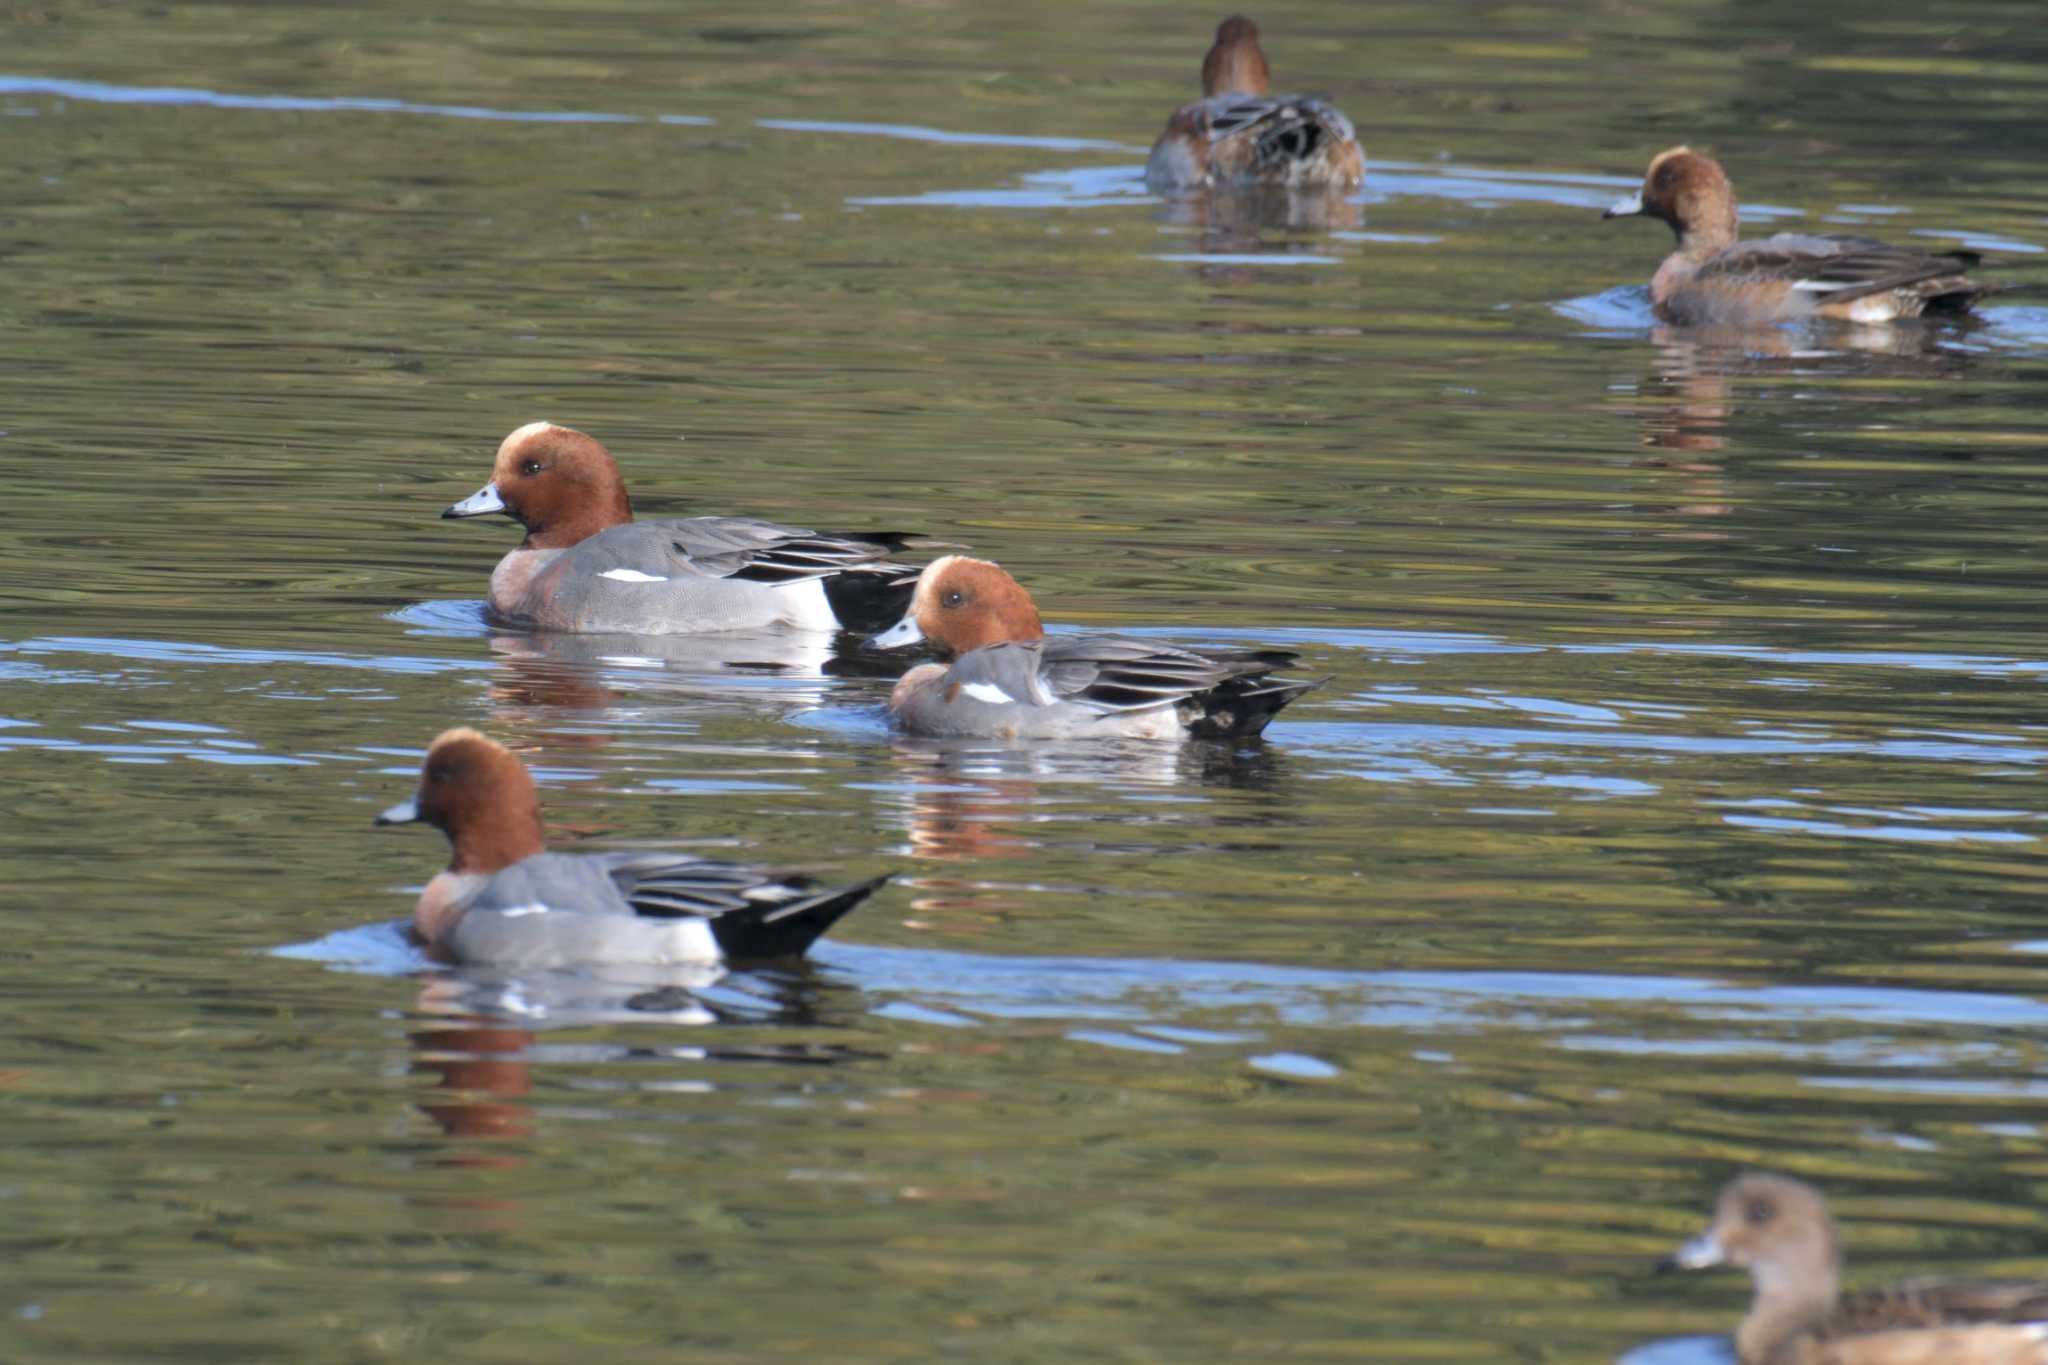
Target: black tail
(1240,707)
(1955,295)
(787,929)
(872,598)
(1293,135)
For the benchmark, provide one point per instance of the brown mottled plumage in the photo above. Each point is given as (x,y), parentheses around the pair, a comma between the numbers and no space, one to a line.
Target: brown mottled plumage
(1239,133)
(1779,1230)
(1714,278)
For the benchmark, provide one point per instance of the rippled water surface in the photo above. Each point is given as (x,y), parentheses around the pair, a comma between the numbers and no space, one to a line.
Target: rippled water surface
(1673,803)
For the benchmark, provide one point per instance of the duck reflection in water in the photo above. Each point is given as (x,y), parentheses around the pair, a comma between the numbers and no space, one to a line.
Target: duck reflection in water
(967,802)
(1687,406)
(769,668)
(1235,218)
(481,1035)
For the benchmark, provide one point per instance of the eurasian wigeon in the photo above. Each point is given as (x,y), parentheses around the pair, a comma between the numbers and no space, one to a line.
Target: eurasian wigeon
(504,900)
(587,566)
(1007,680)
(1713,278)
(1779,1230)
(1238,134)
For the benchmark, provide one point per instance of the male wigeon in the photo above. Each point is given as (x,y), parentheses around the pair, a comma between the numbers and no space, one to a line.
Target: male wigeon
(1713,278)
(1779,1230)
(1007,680)
(503,900)
(586,565)
(1238,134)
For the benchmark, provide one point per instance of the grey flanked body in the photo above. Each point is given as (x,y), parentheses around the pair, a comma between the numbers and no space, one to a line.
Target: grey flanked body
(564,909)
(1094,686)
(509,917)
(587,566)
(713,573)
(505,900)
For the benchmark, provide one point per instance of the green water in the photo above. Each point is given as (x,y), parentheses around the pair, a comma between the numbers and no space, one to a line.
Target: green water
(1674,803)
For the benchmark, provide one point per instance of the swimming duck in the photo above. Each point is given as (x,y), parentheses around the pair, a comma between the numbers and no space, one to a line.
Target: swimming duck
(1010,680)
(1779,1230)
(504,900)
(1713,278)
(587,566)
(1239,134)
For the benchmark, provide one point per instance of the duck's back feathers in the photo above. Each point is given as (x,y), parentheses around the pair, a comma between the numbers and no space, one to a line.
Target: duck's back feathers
(698,574)
(1256,140)
(557,909)
(1986,1344)
(1932,1302)
(1837,271)
(764,552)
(752,913)
(1219,696)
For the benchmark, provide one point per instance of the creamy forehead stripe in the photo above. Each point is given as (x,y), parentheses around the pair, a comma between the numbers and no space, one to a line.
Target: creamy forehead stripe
(1666,155)
(928,581)
(631,576)
(530,429)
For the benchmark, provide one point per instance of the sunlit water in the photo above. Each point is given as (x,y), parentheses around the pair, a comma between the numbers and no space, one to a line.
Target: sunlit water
(1671,802)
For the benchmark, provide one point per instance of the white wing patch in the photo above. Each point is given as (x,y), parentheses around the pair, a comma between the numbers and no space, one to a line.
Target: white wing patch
(631,576)
(988,692)
(515,911)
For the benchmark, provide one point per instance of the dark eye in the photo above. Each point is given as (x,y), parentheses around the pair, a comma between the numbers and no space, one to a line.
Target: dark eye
(1758,1212)
(529,467)
(953,598)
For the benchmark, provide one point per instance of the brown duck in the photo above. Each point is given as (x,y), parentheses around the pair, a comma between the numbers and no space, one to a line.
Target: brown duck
(1241,134)
(1779,1230)
(1713,278)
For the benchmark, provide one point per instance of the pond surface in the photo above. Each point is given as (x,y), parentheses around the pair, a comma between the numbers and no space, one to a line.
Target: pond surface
(1674,803)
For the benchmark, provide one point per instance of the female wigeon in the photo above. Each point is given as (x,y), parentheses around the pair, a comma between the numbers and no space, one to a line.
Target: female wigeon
(586,565)
(1008,681)
(1780,1231)
(1239,134)
(503,900)
(1713,278)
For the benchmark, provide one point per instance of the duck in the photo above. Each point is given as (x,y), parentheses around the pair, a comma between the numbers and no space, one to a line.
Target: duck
(1779,1230)
(1007,679)
(504,900)
(1712,278)
(1239,134)
(587,566)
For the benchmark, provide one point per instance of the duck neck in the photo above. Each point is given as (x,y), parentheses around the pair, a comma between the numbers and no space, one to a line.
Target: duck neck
(604,509)
(1784,1310)
(498,843)
(1702,236)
